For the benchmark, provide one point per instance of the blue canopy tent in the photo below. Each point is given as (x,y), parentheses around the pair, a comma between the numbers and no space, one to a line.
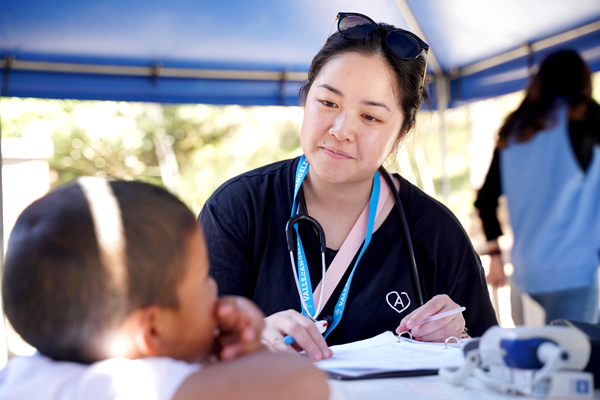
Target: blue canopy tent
(256,53)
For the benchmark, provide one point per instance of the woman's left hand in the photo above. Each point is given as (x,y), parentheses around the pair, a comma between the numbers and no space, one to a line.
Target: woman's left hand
(437,330)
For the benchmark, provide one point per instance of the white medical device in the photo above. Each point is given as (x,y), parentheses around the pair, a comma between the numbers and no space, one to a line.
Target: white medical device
(534,361)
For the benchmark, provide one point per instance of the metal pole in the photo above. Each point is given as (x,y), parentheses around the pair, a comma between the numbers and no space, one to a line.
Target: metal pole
(442,95)
(169,168)
(3,343)
(524,50)
(414,26)
(153,71)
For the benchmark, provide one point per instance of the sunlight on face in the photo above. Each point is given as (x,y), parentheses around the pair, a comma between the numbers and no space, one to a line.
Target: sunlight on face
(352,118)
(191,327)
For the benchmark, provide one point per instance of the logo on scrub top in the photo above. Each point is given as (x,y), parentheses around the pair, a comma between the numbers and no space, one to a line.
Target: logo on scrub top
(398,301)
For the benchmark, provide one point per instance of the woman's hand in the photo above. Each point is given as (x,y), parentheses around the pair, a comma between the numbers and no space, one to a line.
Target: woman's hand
(437,330)
(240,327)
(306,335)
(495,276)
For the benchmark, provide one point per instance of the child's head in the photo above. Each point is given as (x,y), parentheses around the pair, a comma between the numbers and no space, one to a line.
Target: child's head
(97,269)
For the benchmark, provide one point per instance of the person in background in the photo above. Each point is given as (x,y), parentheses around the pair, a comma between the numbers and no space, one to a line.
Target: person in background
(109,282)
(364,89)
(547,163)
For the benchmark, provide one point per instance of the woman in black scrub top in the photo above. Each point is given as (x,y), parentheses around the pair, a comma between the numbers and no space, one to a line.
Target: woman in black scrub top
(364,89)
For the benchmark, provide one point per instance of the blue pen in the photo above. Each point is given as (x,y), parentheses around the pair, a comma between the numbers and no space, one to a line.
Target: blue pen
(321,325)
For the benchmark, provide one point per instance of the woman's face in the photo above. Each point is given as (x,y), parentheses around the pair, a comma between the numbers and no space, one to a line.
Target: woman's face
(352,118)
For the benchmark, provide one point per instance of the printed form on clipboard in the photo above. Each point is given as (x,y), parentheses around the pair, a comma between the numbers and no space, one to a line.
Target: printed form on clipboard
(387,355)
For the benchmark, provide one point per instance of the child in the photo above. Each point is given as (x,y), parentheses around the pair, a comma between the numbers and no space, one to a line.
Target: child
(109,281)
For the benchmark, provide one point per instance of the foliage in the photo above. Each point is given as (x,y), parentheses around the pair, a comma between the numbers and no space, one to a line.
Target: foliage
(119,140)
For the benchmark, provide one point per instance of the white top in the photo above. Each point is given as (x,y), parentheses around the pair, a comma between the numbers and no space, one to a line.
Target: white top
(41,378)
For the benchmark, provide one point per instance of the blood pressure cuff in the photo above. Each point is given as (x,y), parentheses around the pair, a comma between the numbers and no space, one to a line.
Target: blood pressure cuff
(593,333)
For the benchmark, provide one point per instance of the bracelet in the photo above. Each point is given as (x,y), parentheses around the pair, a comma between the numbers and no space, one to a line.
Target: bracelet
(465,334)
(495,252)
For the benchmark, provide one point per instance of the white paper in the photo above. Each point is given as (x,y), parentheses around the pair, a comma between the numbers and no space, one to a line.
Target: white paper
(383,353)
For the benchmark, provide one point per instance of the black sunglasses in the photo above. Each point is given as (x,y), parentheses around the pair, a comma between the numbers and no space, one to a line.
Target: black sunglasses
(406,45)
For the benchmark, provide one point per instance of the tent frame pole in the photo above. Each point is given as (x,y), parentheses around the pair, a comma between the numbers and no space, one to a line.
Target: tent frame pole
(414,26)
(442,98)
(442,92)
(527,49)
(154,71)
(3,338)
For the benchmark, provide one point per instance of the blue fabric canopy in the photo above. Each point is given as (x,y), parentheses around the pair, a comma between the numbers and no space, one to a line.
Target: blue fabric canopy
(258,52)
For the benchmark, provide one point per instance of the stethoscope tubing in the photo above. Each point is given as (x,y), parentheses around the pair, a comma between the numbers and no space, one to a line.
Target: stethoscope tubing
(289,231)
(318,310)
(411,252)
(299,217)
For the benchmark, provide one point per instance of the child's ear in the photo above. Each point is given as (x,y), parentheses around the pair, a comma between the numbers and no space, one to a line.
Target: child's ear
(148,337)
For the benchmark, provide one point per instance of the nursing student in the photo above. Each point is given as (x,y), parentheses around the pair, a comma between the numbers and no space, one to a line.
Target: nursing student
(364,89)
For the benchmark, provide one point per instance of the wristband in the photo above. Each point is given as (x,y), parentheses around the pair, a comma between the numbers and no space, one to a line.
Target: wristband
(495,252)
(465,334)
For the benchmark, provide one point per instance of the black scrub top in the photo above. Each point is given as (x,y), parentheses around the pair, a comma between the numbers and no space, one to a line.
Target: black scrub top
(244,226)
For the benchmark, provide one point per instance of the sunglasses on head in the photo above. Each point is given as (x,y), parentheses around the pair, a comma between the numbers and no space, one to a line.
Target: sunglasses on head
(404,44)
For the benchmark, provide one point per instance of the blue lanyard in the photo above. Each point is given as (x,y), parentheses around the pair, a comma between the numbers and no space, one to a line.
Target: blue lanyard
(303,275)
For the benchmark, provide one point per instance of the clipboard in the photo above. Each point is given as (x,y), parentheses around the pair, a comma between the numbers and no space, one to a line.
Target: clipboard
(389,356)
(382,375)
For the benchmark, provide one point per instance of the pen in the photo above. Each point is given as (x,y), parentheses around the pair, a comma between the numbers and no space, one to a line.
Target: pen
(442,315)
(321,325)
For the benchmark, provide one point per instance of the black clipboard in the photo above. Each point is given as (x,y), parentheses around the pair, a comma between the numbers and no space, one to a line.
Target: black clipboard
(381,375)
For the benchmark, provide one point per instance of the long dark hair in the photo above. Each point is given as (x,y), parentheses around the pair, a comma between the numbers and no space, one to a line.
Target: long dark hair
(561,75)
(409,74)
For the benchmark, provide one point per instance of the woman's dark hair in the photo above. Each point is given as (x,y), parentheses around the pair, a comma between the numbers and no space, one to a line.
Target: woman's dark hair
(58,294)
(561,75)
(409,73)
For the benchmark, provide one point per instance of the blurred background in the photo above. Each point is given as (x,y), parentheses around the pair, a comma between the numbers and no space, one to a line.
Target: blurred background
(65,112)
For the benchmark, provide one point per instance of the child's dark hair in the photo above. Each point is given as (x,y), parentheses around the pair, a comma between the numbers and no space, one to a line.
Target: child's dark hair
(409,74)
(60,295)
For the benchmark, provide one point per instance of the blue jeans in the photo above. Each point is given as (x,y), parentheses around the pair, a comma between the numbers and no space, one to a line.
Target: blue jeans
(579,304)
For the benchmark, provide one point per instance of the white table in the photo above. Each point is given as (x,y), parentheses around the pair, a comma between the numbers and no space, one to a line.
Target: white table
(424,387)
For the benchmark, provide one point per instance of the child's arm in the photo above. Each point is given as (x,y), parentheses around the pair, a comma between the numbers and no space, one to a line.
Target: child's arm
(262,375)
(240,327)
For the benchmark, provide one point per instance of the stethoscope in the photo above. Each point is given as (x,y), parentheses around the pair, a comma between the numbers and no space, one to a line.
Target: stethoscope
(300,216)
(289,233)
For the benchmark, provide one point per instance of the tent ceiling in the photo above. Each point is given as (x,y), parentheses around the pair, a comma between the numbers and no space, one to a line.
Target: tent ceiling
(235,51)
